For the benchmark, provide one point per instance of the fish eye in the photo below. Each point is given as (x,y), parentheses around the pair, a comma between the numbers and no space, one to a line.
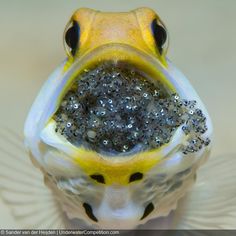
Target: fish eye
(160,35)
(71,37)
(135,176)
(148,209)
(98,178)
(89,211)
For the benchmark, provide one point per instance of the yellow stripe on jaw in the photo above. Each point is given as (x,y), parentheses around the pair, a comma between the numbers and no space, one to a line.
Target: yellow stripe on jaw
(117,170)
(114,169)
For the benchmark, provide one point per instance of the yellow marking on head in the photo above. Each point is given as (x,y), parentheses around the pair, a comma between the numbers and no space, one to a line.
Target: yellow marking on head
(116,170)
(103,28)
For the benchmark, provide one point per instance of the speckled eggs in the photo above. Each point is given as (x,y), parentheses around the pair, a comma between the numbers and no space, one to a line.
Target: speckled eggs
(114,109)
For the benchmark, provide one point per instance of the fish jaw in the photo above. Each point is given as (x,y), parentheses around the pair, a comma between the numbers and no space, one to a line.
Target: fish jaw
(46,105)
(59,82)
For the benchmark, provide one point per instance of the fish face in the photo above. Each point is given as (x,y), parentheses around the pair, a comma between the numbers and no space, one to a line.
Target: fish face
(117,130)
(141,29)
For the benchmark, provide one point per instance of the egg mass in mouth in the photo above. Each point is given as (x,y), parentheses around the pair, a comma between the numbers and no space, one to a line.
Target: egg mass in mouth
(115,109)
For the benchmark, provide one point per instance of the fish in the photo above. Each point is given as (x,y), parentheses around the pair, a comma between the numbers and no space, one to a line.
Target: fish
(116,137)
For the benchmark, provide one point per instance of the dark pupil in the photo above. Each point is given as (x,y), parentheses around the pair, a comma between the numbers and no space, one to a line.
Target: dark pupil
(159,34)
(72,37)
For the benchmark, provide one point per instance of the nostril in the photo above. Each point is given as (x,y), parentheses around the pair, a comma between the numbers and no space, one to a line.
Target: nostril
(149,208)
(135,176)
(98,178)
(89,211)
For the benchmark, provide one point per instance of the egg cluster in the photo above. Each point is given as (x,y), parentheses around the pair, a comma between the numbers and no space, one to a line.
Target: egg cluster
(115,109)
(194,127)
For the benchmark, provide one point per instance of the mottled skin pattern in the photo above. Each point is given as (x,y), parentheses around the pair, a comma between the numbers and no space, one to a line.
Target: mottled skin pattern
(167,172)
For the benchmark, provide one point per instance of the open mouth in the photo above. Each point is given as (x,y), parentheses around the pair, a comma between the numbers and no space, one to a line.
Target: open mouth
(113,108)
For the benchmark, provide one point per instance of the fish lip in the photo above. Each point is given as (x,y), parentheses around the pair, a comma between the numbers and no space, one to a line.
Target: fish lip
(117,46)
(118,53)
(129,49)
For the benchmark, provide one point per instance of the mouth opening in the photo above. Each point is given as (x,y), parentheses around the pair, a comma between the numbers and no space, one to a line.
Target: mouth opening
(114,108)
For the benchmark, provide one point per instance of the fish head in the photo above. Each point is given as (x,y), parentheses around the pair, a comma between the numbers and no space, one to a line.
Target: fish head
(140,29)
(117,130)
